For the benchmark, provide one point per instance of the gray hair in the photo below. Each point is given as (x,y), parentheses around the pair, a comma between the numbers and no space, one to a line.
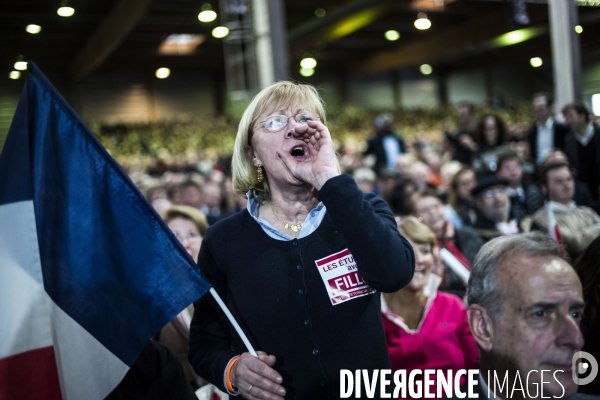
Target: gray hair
(483,286)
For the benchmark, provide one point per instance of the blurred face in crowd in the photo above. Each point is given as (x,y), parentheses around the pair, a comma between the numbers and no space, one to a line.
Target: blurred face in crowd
(423,262)
(366,186)
(464,116)
(561,187)
(187,233)
(191,196)
(431,212)
(419,172)
(212,195)
(465,183)
(556,157)
(511,170)
(490,131)
(541,109)
(575,121)
(538,325)
(494,203)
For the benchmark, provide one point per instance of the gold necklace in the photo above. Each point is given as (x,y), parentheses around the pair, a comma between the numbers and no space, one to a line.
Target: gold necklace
(286,225)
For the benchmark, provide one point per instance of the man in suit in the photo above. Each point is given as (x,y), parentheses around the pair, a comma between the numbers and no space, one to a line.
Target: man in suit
(462,142)
(546,134)
(385,144)
(525,305)
(582,146)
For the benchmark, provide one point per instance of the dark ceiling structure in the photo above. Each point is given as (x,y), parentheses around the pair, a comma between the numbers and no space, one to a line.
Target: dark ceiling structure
(113,35)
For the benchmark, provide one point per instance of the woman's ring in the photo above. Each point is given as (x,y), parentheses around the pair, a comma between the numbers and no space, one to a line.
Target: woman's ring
(251,386)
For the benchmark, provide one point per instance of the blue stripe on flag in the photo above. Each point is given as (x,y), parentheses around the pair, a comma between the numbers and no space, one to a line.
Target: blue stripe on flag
(15,169)
(108,260)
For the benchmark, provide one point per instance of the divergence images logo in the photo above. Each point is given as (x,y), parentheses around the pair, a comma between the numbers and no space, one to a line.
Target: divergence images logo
(584,364)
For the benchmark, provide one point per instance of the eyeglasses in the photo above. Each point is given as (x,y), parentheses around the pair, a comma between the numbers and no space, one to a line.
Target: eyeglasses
(190,236)
(494,192)
(276,123)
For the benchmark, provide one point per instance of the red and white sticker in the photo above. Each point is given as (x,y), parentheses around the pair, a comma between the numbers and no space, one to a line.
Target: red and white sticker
(341,278)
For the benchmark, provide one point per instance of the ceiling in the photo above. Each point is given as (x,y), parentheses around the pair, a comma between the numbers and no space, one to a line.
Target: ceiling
(107,35)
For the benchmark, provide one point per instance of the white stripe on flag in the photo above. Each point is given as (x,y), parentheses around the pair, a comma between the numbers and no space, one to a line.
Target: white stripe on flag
(29,319)
(87,369)
(24,318)
(455,265)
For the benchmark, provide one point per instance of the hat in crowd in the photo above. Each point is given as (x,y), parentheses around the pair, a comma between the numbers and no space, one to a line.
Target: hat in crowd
(487,182)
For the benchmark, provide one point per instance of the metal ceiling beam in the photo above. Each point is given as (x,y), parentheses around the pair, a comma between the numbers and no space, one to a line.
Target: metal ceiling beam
(448,41)
(111,32)
(338,23)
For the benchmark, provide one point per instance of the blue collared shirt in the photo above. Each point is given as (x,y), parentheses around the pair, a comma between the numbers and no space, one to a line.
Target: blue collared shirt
(310,224)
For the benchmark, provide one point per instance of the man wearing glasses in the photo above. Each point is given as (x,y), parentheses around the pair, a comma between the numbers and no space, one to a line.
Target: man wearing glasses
(493,209)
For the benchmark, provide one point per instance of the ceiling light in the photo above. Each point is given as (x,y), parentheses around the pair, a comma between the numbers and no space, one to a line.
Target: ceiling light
(518,36)
(21,65)
(307,71)
(65,11)
(207,16)
(180,43)
(163,73)
(392,35)
(536,62)
(14,75)
(308,63)
(578,28)
(422,22)
(33,29)
(319,12)
(426,69)
(220,32)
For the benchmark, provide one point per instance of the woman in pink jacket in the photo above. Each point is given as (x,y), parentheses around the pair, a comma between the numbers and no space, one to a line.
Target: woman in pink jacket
(424,328)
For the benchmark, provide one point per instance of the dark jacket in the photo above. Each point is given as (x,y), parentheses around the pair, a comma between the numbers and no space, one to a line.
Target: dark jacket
(275,291)
(558,140)
(376,147)
(156,374)
(588,170)
(532,201)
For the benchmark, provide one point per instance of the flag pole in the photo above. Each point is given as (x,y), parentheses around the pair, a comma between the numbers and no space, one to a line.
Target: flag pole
(233,321)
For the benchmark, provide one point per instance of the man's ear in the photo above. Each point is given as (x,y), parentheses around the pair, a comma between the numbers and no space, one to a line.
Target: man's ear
(481,326)
(544,188)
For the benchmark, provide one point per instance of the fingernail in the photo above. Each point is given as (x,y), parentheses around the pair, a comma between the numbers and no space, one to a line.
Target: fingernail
(278,379)
(281,391)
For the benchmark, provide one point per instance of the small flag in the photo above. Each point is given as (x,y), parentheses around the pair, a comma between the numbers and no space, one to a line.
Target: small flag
(88,271)
(553,230)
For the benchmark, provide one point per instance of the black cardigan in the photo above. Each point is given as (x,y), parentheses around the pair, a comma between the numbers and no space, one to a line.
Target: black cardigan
(275,292)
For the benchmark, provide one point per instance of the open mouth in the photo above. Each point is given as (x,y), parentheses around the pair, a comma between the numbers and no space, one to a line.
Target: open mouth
(299,152)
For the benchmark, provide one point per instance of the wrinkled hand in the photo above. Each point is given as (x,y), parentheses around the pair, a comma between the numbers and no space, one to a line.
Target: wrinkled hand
(255,379)
(320,165)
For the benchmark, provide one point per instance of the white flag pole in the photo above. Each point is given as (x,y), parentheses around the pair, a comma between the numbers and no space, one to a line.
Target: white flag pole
(455,265)
(237,327)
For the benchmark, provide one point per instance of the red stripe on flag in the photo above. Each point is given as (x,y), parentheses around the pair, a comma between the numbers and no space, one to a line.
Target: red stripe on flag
(30,375)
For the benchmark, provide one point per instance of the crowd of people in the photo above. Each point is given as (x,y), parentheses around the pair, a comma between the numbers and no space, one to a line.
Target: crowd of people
(487,219)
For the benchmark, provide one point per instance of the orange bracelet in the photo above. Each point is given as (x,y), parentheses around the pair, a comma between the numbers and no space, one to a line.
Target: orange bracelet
(227,380)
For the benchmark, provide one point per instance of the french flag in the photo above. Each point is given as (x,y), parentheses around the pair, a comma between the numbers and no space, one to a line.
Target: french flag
(88,271)
(553,230)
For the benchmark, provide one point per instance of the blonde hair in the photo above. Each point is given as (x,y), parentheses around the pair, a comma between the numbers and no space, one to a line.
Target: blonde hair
(416,231)
(274,97)
(189,213)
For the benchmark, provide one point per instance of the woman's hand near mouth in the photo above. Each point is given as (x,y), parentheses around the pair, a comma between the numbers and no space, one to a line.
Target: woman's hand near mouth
(320,164)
